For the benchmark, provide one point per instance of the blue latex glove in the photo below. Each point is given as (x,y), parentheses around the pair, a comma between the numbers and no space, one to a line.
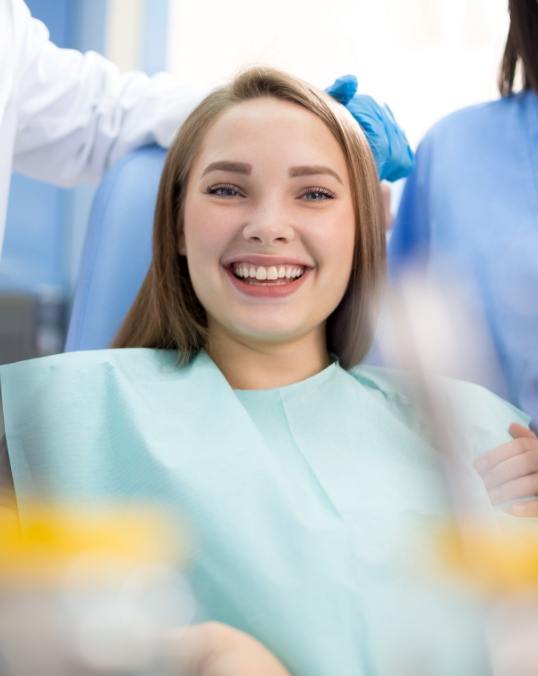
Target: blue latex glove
(392,153)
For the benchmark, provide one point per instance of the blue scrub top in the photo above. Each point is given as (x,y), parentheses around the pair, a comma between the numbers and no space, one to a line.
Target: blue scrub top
(474,198)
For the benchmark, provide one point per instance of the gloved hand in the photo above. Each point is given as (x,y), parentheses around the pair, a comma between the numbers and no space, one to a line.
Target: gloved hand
(392,153)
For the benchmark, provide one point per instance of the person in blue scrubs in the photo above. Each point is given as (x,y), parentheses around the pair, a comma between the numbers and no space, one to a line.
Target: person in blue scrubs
(472,204)
(235,397)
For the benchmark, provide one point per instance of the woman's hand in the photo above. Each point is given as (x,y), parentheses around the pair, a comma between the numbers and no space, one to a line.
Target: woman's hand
(215,649)
(510,472)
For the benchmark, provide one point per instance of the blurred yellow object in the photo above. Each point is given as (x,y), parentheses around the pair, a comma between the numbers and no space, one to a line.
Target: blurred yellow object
(497,558)
(91,542)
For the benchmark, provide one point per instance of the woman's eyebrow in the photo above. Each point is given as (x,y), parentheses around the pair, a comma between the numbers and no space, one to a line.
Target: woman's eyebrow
(312,170)
(225,165)
(244,168)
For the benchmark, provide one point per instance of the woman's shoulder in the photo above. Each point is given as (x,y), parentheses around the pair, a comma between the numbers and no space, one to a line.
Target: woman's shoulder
(79,381)
(395,383)
(478,411)
(71,378)
(391,389)
(384,380)
(91,360)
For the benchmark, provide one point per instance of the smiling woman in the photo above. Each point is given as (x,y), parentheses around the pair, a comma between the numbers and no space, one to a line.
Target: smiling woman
(302,475)
(289,218)
(271,199)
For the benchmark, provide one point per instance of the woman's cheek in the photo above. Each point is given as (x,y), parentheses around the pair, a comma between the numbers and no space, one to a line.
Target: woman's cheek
(205,239)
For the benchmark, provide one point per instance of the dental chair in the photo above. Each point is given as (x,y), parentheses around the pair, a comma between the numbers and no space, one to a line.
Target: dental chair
(117,249)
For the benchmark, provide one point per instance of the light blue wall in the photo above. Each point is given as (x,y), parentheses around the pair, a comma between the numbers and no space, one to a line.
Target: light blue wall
(34,251)
(154,35)
(88,22)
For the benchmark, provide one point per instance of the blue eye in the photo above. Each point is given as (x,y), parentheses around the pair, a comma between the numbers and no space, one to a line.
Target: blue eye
(316,194)
(224,190)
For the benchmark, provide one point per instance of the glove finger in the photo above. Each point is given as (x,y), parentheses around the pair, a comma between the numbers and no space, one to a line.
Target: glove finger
(343,89)
(390,147)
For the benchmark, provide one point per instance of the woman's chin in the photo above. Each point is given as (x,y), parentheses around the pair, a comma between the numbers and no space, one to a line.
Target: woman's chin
(268,337)
(273,333)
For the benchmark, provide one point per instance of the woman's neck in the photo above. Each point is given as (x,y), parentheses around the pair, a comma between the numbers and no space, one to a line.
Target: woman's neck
(256,366)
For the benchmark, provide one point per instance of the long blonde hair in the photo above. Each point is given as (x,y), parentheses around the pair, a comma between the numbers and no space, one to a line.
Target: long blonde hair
(166,312)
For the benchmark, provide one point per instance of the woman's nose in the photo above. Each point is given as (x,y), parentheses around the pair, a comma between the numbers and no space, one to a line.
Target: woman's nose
(267,226)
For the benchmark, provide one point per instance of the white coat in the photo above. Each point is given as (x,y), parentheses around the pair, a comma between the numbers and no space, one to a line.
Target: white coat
(66,116)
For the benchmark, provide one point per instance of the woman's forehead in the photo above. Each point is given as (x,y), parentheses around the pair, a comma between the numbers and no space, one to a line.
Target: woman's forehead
(269,127)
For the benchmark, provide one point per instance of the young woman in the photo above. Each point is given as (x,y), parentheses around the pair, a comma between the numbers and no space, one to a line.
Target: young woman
(303,477)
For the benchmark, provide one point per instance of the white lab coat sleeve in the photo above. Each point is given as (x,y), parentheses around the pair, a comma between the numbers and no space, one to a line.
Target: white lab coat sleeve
(77,114)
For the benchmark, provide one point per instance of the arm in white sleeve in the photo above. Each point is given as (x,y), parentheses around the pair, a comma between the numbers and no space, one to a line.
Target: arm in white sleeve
(77,113)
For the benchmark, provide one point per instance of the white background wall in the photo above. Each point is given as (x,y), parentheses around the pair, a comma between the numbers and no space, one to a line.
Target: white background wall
(123,33)
(424,57)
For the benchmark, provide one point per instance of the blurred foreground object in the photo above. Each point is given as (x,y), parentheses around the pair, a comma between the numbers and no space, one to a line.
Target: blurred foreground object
(497,560)
(88,591)
(503,564)
(429,332)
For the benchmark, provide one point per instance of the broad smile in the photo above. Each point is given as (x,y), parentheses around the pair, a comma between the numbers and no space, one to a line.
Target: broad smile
(273,279)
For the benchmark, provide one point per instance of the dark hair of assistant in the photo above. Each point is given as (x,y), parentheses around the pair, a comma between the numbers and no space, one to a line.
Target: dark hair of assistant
(521,47)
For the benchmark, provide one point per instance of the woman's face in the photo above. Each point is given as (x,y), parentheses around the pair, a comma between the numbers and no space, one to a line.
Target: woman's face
(268,223)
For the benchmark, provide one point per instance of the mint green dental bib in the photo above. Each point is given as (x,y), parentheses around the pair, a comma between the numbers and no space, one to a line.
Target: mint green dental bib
(305,503)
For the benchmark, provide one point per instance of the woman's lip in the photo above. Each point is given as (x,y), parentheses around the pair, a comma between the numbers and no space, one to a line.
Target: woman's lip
(267,290)
(265,261)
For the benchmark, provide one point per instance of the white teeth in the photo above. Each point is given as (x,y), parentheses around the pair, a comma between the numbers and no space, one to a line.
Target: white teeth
(261,273)
(293,271)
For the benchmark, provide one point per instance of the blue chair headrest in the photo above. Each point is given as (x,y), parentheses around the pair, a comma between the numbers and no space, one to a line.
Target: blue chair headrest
(117,249)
